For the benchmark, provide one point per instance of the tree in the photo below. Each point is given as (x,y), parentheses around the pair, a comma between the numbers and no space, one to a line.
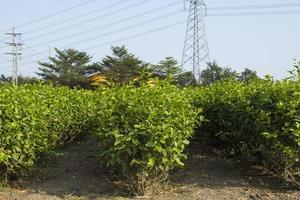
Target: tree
(69,67)
(21,79)
(167,68)
(122,66)
(295,73)
(248,75)
(5,79)
(185,79)
(214,73)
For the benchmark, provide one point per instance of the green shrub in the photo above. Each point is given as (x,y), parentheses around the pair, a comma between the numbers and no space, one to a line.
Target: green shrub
(36,118)
(277,105)
(225,107)
(259,119)
(144,131)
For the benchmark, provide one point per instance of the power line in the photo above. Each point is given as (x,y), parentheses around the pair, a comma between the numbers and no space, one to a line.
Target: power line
(75,17)
(213,8)
(254,13)
(15,54)
(210,15)
(114,4)
(31,62)
(91,1)
(35,52)
(266,6)
(129,37)
(126,28)
(218,15)
(120,30)
(32,52)
(113,23)
(89,20)
(54,14)
(49,16)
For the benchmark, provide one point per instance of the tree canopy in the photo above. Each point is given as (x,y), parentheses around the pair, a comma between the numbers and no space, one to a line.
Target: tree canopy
(166,68)
(21,79)
(214,73)
(72,68)
(248,75)
(122,66)
(69,67)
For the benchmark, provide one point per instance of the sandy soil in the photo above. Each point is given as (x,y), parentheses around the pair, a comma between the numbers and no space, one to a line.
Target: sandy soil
(75,173)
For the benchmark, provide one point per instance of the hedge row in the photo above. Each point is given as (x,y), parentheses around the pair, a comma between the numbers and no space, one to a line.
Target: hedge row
(144,131)
(260,120)
(36,118)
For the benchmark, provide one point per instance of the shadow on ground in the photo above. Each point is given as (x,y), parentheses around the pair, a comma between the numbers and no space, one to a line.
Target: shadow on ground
(208,169)
(76,173)
(73,171)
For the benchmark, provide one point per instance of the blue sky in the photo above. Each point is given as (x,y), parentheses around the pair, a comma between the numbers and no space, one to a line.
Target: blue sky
(267,44)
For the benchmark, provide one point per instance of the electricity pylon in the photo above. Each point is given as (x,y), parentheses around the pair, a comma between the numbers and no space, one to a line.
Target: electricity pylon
(15,55)
(196,53)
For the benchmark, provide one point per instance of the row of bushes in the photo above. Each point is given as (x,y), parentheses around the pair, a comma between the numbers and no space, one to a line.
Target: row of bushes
(260,120)
(34,119)
(143,131)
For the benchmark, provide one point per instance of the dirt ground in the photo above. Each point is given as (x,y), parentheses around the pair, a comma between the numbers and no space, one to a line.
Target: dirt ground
(75,173)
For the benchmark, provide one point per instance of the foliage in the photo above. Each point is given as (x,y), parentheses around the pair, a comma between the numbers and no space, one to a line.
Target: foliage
(248,75)
(21,79)
(5,79)
(143,131)
(213,73)
(167,68)
(170,69)
(279,105)
(36,118)
(185,79)
(122,67)
(295,73)
(144,128)
(259,119)
(69,68)
(98,80)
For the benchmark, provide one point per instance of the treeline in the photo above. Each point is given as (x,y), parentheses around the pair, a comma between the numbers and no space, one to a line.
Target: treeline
(73,68)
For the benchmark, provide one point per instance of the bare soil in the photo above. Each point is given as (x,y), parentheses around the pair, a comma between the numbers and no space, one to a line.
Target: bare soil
(75,173)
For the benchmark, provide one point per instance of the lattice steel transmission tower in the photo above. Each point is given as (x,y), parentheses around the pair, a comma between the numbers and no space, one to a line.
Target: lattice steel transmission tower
(196,53)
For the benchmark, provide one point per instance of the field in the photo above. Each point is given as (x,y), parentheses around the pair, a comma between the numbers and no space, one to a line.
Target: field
(230,140)
(76,174)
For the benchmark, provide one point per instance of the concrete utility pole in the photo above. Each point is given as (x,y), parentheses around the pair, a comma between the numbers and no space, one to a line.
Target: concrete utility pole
(15,54)
(195,53)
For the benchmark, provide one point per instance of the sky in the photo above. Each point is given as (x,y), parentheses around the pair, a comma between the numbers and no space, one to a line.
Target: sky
(265,43)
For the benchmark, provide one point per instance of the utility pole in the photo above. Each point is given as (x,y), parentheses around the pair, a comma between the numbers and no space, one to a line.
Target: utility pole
(15,54)
(196,52)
